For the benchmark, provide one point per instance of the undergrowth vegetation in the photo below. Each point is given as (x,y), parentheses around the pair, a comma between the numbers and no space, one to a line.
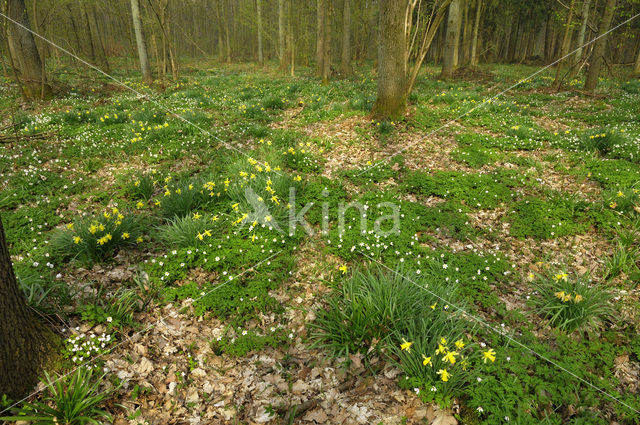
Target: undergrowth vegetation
(495,266)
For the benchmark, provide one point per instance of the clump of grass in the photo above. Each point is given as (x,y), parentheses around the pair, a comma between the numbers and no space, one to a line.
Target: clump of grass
(188,231)
(625,201)
(372,309)
(96,238)
(570,302)
(273,102)
(114,312)
(180,199)
(72,399)
(603,141)
(141,186)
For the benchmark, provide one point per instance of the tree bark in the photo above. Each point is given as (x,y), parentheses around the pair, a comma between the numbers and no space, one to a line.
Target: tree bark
(474,38)
(260,52)
(282,36)
(24,53)
(636,67)
(452,39)
(597,56)
(96,40)
(566,42)
(320,36)
(326,60)
(141,43)
(392,73)
(347,69)
(22,338)
(583,30)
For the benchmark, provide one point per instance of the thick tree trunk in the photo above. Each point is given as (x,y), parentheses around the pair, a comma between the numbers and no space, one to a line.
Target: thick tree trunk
(282,36)
(566,42)
(452,39)
(346,67)
(320,36)
(24,53)
(392,72)
(22,338)
(474,39)
(326,60)
(597,56)
(141,43)
(636,67)
(260,52)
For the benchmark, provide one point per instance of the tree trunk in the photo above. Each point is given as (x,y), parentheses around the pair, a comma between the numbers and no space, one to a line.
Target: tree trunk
(566,42)
(22,338)
(392,73)
(474,38)
(636,67)
(583,31)
(282,36)
(320,36)
(347,69)
(141,43)
(260,52)
(326,59)
(599,46)
(24,53)
(96,40)
(452,38)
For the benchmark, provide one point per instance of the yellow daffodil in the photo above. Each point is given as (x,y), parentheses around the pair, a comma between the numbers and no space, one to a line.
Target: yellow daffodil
(139,239)
(140,204)
(450,357)
(70,226)
(406,345)
(490,354)
(426,361)
(77,239)
(343,268)
(459,344)
(444,375)
(577,298)
(125,235)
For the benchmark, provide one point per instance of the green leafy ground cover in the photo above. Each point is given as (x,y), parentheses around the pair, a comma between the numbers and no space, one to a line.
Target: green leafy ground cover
(532,228)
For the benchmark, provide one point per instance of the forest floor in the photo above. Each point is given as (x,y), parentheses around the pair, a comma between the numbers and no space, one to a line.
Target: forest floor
(134,235)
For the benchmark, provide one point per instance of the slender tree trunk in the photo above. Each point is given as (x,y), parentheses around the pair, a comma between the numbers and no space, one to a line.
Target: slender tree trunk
(597,56)
(452,39)
(583,30)
(260,52)
(320,36)
(463,57)
(140,42)
(22,338)
(392,72)
(347,69)
(474,38)
(24,53)
(636,67)
(282,36)
(96,40)
(291,42)
(566,43)
(326,60)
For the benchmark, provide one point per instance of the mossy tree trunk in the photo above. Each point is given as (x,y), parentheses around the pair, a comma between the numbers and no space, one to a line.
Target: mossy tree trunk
(392,73)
